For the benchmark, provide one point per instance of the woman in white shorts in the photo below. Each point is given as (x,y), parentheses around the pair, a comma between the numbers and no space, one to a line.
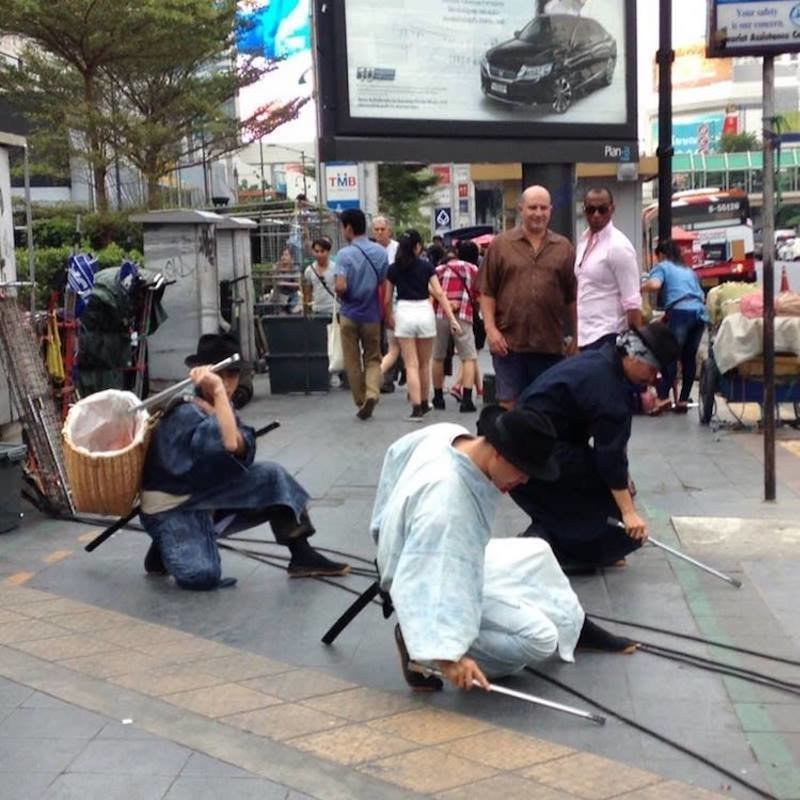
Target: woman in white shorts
(413,321)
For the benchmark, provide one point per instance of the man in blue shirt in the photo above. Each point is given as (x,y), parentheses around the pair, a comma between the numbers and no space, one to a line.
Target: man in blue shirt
(360,277)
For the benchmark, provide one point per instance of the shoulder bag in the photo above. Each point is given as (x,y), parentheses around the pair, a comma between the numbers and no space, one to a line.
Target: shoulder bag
(335,351)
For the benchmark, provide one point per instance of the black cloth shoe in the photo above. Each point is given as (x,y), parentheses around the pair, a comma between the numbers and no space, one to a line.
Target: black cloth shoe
(593,637)
(417,681)
(438,403)
(365,412)
(416,414)
(387,387)
(467,406)
(313,564)
(153,563)
(426,407)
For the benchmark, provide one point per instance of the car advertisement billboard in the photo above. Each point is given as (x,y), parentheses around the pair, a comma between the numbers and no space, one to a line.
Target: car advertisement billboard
(489,61)
(489,69)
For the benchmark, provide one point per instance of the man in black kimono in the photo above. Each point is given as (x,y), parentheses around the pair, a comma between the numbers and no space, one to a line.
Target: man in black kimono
(588,400)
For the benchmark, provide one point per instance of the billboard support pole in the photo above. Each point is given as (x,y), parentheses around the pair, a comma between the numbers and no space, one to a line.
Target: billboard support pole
(559,180)
(665,58)
(769,276)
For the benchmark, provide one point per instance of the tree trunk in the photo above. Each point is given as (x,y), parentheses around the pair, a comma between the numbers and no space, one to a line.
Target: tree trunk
(97,158)
(153,192)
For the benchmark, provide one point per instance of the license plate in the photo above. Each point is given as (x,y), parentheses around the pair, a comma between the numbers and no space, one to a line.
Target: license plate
(499,88)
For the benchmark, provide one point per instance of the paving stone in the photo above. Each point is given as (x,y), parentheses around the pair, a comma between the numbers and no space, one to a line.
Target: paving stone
(118,730)
(132,757)
(42,755)
(182,651)
(91,621)
(13,694)
(284,722)
(167,680)
(299,684)
(116,662)
(673,790)
(51,608)
(241,667)
(200,765)
(429,726)
(362,704)
(590,776)
(426,771)
(506,750)
(229,788)
(51,723)
(83,786)
(509,787)
(353,744)
(42,700)
(222,700)
(16,595)
(142,634)
(72,645)
(10,616)
(25,785)
(755,716)
(27,631)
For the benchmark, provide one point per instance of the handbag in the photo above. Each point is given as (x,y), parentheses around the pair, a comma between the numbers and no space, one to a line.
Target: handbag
(335,351)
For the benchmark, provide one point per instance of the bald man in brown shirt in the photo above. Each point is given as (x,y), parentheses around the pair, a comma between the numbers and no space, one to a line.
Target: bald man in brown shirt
(527,285)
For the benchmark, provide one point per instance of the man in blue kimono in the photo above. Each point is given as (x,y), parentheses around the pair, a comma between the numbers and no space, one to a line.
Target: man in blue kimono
(200,470)
(588,400)
(469,606)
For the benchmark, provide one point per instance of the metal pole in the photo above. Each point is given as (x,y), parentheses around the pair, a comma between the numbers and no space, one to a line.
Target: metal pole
(768,277)
(29,228)
(699,564)
(305,177)
(261,153)
(665,57)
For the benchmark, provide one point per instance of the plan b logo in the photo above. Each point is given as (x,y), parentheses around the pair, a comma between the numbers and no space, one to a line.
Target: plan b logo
(369,74)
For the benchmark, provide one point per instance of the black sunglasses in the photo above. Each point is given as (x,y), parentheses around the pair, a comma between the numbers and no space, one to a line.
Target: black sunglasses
(589,210)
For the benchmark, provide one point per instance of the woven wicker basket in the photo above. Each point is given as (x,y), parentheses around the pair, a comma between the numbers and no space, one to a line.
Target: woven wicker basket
(106,482)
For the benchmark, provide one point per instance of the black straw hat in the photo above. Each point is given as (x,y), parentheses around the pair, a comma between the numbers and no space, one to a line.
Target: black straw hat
(213,348)
(523,437)
(661,342)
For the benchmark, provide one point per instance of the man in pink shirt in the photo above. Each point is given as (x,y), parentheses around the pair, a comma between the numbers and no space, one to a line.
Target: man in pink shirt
(607,272)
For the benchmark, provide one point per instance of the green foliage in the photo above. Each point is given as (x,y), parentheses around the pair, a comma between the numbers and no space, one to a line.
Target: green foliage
(55,227)
(403,188)
(101,230)
(738,142)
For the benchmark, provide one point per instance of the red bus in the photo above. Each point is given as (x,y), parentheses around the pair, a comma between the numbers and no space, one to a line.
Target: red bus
(714,230)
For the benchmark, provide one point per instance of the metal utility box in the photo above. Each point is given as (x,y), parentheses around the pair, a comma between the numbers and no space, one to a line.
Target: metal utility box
(11,458)
(182,245)
(235,265)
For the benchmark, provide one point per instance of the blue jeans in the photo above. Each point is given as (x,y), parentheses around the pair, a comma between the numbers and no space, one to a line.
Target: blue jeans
(186,536)
(516,371)
(688,327)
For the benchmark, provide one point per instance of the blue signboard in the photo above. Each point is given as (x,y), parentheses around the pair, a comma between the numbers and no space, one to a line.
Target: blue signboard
(696,135)
(277,29)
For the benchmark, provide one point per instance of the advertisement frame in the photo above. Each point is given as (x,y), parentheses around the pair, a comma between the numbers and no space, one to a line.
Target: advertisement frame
(715,46)
(340,133)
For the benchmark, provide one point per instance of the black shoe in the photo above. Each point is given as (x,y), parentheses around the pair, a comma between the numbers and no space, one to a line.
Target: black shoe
(416,414)
(426,407)
(593,637)
(316,565)
(467,406)
(438,403)
(387,388)
(365,412)
(153,563)
(417,681)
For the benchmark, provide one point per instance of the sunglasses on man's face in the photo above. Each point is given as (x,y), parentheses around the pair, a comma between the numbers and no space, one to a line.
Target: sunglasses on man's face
(589,210)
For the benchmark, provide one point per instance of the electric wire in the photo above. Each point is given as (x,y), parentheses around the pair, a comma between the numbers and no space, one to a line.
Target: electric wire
(655,734)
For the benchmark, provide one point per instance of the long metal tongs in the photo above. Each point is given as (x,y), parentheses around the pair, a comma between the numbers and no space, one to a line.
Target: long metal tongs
(168,393)
(528,698)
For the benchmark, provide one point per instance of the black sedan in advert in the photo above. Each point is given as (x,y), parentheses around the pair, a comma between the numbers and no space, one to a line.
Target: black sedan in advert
(550,62)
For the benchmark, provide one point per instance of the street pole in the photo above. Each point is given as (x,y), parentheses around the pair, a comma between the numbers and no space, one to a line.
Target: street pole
(768,276)
(305,177)
(261,154)
(29,226)
(665,58)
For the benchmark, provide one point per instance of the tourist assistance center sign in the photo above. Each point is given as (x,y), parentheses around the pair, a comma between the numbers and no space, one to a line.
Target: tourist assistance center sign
(753,27)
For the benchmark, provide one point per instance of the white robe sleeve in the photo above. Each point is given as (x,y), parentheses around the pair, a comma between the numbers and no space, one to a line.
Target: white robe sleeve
(437,585)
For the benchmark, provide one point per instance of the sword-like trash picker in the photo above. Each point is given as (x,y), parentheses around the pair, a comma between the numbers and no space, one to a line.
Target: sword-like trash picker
(528,698)
(677,553)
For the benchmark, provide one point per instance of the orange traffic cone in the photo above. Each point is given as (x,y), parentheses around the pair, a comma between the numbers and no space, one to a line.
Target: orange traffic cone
(784,280)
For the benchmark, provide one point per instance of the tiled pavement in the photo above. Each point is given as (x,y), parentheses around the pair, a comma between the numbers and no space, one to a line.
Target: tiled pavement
(241,677)
(185,688)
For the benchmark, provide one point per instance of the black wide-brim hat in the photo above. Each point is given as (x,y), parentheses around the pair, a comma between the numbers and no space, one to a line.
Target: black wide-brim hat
(213,348)
(524,438)
(661,342)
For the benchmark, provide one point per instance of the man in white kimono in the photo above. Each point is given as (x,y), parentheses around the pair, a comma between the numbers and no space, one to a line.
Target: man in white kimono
(469,606)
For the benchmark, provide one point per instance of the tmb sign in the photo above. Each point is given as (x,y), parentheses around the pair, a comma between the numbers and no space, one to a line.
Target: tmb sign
(753,27)
(341,185)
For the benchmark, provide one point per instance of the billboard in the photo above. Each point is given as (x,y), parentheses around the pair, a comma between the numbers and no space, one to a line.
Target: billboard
(696,135)
(753,27)
(278,31)
(484,68)
(691,68)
